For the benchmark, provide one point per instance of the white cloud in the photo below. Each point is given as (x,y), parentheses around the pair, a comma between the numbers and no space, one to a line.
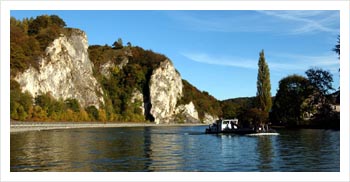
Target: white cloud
(221,60)
(277,62)
(297,62)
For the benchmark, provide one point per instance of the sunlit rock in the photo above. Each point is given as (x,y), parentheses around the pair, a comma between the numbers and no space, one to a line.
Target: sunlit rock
(65,71)
(165,91)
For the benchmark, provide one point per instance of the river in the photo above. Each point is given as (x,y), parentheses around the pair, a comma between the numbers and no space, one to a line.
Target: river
(183,148)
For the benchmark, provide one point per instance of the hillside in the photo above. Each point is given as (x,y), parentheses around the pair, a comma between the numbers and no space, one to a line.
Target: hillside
(57,76)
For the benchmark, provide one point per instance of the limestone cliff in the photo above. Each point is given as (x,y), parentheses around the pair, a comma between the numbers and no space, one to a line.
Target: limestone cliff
(165,90)
(208,118)
(65,71)
(187,113)
(124,83)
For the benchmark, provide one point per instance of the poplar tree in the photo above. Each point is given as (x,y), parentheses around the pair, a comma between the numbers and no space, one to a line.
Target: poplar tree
(263,94)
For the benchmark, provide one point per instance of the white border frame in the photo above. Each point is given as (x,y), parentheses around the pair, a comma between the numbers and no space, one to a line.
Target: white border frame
(6,6)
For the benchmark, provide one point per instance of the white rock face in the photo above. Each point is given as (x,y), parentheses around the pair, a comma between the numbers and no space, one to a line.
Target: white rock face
(189,111)
(65,72)
(165,90)
(105,69)
(209,118)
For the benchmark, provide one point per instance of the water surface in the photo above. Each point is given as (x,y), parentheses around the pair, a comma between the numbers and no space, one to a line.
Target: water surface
(173,149)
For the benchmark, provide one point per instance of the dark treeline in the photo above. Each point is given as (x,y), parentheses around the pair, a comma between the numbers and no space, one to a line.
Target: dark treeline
(308,101)
(301,102)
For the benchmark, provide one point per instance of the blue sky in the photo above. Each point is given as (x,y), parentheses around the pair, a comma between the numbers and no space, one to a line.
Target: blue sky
(218,51)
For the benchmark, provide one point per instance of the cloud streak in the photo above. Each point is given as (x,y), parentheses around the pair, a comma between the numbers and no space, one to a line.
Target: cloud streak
(307,21)
(277,62)
(221,60)
(227,21)
(285,22)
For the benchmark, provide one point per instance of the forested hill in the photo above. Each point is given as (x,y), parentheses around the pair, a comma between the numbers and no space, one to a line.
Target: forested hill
(57,76)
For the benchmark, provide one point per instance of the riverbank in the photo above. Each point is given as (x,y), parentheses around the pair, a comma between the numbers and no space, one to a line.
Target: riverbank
(23,126)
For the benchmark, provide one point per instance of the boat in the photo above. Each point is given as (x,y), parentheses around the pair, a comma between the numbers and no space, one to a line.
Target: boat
(231,126)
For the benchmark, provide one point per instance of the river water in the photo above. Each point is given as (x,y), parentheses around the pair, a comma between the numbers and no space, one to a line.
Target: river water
(184,148)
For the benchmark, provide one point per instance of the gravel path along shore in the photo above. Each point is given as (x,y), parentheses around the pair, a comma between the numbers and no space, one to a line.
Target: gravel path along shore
(21,126)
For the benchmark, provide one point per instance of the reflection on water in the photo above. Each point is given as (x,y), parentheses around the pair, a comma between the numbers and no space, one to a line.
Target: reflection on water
(173,149)
(266,155)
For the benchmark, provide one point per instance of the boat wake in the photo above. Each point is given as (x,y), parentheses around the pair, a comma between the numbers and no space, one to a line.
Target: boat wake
(263,134)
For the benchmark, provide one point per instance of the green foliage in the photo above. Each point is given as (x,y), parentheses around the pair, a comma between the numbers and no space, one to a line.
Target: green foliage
(29,39)
(253,117)
(21,104)
(100,55)
(56,20)
(320,79)
(336,48)
(102,115)
(238,107)
(92,112)
(203,102)
(118,44)
(321,83)
(39,114)
(304,101)
(24,50)
(292,92)
(45,107)
(72,104)
(136,75)
(263,94)
(44,21)
(47,35)
(123,82)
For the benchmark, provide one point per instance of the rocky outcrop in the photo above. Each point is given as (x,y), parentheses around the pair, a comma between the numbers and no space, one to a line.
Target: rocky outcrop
(165,90)
(105,69)
(187,113)
(209,118)
(65,72)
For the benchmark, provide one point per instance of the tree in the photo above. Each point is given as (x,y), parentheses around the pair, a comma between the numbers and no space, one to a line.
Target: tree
(253,117)
(337,47)
(288,104)
(56,20)
(40,22)
(102,115)
(44,21)
(321,83)
(92,112)
(118,44)
(72,104)
(263,94)
(320,79)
